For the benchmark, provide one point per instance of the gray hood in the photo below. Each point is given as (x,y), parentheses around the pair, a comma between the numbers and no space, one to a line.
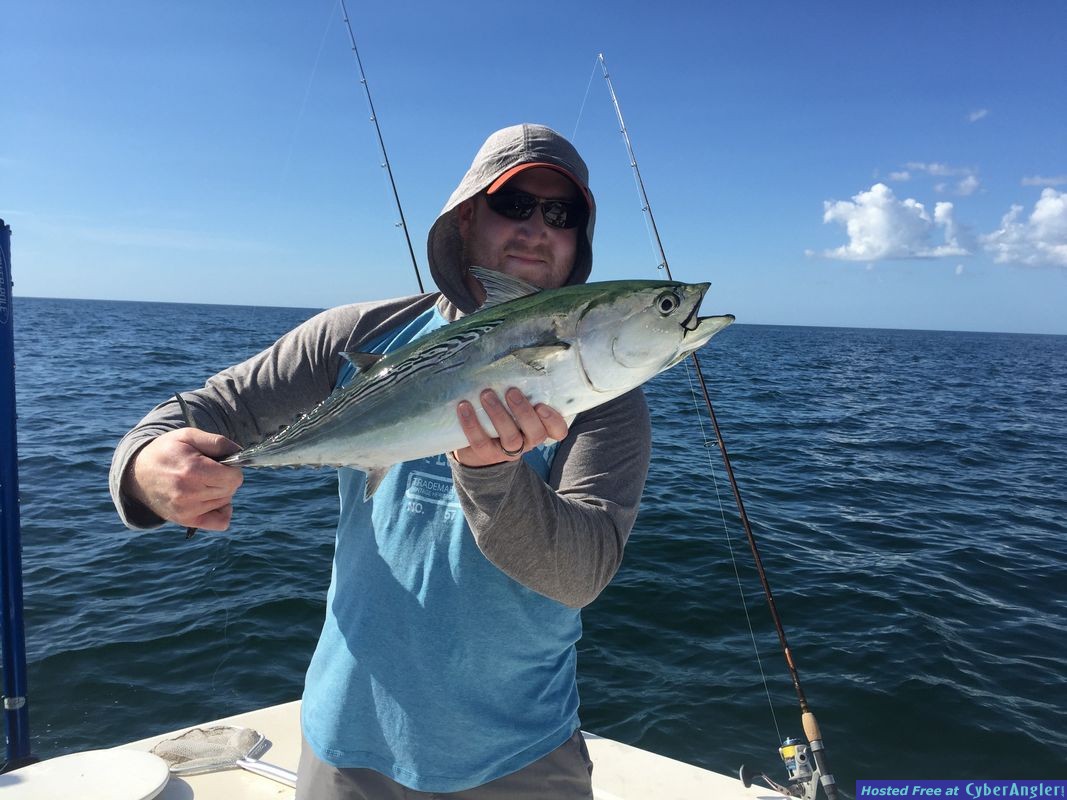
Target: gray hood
(503,150)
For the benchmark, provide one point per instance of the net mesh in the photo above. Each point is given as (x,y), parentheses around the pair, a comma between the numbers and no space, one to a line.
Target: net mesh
(208,749)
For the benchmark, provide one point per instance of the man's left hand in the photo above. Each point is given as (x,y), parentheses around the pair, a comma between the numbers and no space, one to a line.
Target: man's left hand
(521,427)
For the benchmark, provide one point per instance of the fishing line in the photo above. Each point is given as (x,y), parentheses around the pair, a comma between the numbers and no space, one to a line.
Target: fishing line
(212,576)
(709,443)
(588,86)
(307,94)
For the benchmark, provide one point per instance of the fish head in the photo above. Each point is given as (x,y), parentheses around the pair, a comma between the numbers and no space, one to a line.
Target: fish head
(640,328)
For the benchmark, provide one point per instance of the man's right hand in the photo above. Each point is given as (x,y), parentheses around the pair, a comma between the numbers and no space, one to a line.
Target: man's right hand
(178,478)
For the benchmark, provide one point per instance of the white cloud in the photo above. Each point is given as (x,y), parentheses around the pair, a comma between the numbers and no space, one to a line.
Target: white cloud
(935,168)
(880,227)
(967,184)
(943,217)
(1039,240)
(977,114)
(1040,180)
(903,175)
(959,269)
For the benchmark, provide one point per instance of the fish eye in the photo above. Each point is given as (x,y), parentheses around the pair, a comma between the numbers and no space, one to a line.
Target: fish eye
(667,302)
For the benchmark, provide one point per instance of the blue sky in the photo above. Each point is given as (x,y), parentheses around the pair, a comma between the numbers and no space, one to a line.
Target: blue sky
(895,165)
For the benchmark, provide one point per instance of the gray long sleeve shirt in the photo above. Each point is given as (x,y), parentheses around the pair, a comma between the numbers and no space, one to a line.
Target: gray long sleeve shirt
(563,539)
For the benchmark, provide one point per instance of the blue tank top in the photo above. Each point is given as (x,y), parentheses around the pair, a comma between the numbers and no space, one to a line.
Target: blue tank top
(433,668)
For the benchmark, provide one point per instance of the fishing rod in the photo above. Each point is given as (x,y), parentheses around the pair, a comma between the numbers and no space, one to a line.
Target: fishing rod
(804,782)
(12,625)
(381,145)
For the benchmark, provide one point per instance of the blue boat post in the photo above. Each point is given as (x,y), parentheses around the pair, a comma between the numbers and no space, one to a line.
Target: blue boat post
(16,713)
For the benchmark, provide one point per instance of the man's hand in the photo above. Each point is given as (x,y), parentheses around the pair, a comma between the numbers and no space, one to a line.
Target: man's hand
(177,477)
(520,425)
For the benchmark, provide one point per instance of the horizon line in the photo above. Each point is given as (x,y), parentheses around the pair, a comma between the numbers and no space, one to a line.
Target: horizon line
(753,324)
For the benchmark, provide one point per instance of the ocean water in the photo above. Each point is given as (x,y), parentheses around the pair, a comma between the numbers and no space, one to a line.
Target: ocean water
(906,489)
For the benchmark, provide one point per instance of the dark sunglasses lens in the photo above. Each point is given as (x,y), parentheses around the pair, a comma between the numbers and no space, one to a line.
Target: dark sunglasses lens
(559,214)
(513,205)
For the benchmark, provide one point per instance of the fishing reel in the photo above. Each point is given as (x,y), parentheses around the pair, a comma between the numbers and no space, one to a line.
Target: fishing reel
(804,774)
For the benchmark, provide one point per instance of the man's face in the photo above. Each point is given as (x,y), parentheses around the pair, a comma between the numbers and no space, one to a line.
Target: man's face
(527,249)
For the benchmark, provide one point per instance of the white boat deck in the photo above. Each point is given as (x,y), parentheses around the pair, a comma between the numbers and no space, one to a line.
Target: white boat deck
(621,772)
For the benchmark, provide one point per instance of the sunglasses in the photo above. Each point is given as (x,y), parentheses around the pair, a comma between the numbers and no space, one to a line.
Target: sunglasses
(521,205)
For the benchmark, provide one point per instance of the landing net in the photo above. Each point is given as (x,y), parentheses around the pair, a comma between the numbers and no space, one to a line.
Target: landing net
(209,749)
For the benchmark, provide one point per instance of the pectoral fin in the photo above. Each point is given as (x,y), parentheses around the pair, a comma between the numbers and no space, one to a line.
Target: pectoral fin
(540,356)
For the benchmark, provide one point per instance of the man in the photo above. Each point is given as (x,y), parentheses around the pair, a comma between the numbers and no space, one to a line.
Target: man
(446,663)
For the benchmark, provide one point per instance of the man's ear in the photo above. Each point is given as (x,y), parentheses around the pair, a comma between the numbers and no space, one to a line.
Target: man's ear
(465,217)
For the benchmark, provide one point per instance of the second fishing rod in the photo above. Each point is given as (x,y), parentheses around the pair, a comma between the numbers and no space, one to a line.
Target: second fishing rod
(789,752)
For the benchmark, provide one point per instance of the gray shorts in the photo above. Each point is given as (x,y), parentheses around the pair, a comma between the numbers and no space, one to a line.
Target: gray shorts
(564,774)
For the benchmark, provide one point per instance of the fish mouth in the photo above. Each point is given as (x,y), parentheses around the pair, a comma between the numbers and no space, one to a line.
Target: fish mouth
(692,322)
(696,330)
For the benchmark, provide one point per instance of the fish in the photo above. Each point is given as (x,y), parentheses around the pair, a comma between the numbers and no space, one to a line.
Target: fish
(573,348)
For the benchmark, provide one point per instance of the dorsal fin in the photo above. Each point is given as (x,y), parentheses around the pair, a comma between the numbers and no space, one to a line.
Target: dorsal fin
(363,361)
(500,288)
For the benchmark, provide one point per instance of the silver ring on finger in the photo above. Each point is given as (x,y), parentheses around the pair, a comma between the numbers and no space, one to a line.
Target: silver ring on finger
(517,452)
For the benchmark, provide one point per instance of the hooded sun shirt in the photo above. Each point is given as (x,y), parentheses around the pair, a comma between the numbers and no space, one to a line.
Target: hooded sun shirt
(460,674)
(447,656)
